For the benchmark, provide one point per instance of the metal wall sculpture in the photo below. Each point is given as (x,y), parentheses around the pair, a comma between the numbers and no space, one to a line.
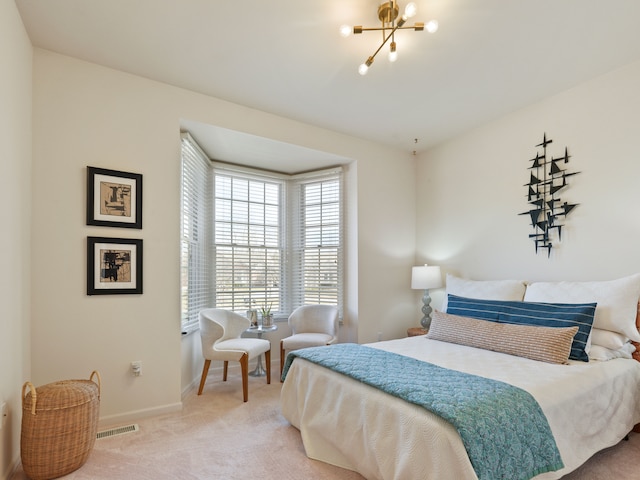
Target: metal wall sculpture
(547,180)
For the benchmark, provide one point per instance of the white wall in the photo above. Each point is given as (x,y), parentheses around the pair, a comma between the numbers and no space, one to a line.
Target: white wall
(386,249)
(15,190)
(471,189)
(85,114)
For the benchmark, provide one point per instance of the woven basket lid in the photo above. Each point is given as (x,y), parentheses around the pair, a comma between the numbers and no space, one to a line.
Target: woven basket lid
(62,394)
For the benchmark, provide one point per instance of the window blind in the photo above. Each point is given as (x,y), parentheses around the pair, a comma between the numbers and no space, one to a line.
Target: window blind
(248,241)
(195,241)
(317,238)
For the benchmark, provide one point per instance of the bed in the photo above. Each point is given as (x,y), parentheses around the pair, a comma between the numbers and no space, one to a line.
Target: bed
(589,405)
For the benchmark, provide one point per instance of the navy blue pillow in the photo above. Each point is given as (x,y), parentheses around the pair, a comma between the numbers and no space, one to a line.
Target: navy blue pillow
(531,313)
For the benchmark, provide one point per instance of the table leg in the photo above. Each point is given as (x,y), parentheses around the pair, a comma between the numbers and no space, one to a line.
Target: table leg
(259,371)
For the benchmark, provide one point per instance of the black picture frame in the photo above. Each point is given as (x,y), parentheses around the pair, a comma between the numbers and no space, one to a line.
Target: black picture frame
(114,198)
(114,266)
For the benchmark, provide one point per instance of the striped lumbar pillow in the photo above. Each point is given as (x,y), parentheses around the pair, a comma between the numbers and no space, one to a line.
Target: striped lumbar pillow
(545,344)
(580,315)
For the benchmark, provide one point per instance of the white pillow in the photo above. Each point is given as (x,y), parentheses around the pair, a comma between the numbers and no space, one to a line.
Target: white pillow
(617,300)
(603,354)
(484,289)
(607,339)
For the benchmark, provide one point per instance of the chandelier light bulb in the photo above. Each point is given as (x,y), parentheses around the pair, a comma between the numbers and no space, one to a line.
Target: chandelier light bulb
(345,31)
(410,10)
(364,68)
(393,53)
(432,26)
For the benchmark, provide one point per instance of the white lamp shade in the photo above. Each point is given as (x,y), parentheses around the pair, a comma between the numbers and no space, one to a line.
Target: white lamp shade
(425,277)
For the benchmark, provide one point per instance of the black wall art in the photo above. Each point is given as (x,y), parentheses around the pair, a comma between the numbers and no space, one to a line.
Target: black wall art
(114,266)
(114,198)
(547,211)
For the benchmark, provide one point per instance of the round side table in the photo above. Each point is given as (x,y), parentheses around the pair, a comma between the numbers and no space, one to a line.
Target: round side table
(416,331)
(259,371)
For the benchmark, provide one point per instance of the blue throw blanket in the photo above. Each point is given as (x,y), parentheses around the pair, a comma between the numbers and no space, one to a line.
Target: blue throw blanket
(503,428)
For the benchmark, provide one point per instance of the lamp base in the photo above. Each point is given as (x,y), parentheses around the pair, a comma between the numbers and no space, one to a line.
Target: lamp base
(426,310)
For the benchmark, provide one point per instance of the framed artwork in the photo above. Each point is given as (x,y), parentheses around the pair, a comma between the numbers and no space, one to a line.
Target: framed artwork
(114,199)
(114,266)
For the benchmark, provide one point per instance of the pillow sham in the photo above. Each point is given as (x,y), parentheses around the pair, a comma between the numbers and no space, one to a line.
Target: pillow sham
(553,315)
(545,344)
(617,300)
(485,289)
(607,339)
(600,353)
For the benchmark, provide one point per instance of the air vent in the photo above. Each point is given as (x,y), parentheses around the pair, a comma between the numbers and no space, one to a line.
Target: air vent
(112,432)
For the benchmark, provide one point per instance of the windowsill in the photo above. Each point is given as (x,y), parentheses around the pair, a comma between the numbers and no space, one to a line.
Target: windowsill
(194,327)
(189,329)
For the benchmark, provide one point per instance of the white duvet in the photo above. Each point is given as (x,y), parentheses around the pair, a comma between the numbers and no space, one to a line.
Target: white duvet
(589,406)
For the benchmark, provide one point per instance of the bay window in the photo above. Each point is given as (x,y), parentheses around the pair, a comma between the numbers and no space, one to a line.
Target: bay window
(256,239)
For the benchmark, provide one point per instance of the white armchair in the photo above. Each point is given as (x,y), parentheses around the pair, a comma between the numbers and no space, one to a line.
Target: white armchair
(220,332)
(311,326)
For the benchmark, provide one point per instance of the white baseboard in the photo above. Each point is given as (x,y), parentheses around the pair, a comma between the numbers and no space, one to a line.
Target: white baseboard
(129,417)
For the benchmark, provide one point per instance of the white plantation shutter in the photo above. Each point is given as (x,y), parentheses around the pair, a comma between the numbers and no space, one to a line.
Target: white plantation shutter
(195,240)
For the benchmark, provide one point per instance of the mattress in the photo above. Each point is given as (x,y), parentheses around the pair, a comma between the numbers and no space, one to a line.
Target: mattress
(589,406)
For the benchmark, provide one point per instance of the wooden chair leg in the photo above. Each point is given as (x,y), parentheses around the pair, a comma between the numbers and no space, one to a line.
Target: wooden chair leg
(205,371)
(244,366)
(281,359)
(267,361)
(224,371)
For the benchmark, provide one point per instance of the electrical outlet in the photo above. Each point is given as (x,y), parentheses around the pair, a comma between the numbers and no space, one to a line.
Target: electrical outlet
(4,413)
(379,336)
(136,368)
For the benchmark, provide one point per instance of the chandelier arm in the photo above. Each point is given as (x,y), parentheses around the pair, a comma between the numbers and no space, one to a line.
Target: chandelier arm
(415,27)
(385,41)
(373,29)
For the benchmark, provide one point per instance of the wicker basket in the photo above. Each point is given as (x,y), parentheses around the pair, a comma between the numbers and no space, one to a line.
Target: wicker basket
(59,426)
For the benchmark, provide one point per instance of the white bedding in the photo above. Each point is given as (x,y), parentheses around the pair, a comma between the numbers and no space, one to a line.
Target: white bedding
(589,406)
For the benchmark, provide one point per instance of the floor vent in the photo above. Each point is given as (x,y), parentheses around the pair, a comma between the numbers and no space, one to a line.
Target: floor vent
(112,432)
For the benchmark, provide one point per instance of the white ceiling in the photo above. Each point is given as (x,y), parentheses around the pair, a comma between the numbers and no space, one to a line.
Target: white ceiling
(488,58)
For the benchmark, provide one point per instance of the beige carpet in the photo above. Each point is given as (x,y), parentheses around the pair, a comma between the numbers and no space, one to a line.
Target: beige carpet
(217,436)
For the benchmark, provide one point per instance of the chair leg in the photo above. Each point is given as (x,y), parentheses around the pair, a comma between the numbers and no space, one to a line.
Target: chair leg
(267,360)
(282,352)
(224,371)
(205,371)
(244,366)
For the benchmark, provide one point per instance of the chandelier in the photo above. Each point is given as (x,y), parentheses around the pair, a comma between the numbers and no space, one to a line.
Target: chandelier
(388,13)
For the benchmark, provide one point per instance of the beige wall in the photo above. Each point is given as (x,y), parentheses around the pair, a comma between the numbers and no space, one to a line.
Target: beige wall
(471,189)
(85,114)
(15,190)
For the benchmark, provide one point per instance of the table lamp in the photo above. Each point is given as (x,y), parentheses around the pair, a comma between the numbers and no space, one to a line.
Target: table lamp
(426,277)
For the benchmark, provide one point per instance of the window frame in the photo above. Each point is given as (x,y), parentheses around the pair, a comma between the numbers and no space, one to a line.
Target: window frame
(255,175)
